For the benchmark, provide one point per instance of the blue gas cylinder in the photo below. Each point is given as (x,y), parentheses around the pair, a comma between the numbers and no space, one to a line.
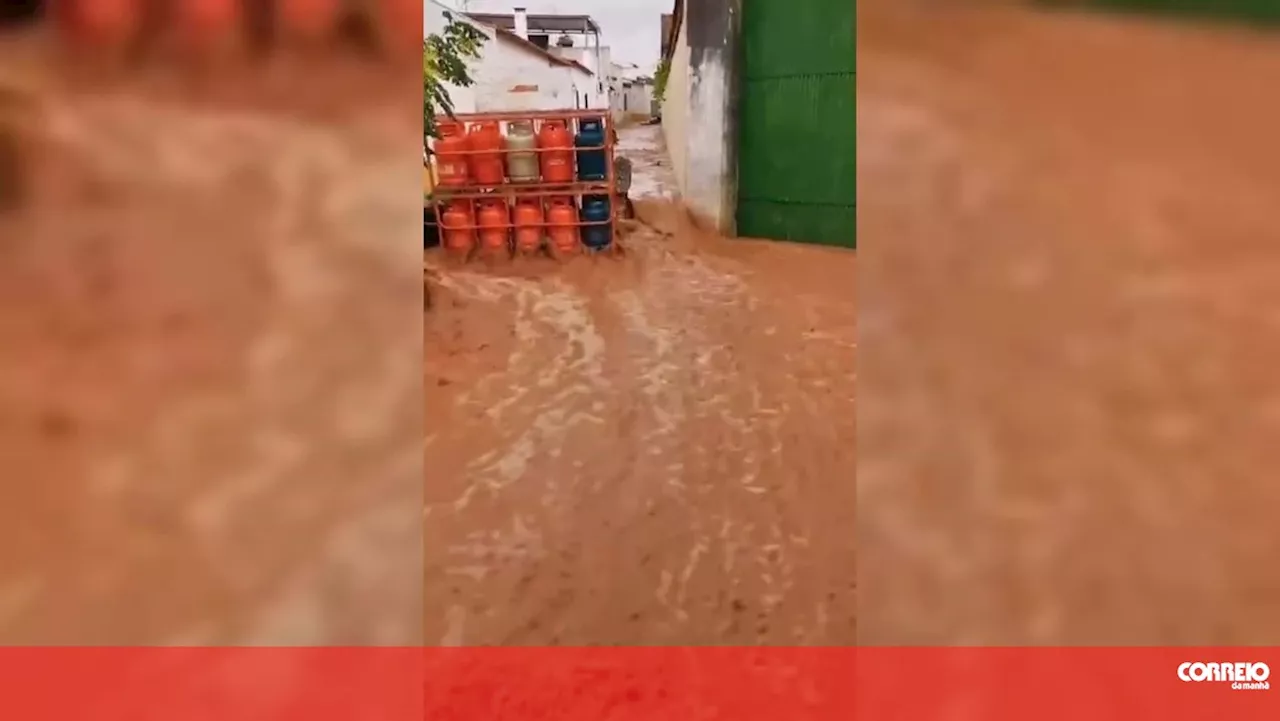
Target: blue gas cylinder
(595,208)
(591,163)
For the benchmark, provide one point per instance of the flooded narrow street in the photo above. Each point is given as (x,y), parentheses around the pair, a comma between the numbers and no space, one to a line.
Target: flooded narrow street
(1069,400)
(656,448)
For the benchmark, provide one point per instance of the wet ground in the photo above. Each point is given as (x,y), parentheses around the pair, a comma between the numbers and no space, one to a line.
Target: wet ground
(652,449)
(1068,317)
(209,353)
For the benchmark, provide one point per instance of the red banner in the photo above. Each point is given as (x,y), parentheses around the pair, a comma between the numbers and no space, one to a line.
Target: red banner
(1061,684)
(635,684)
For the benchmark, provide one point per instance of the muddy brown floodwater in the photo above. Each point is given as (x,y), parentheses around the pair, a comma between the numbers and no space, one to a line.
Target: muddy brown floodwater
(209,369)
(656,449)
(1069,399)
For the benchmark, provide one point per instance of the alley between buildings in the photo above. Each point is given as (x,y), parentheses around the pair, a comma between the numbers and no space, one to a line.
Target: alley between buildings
(654,448)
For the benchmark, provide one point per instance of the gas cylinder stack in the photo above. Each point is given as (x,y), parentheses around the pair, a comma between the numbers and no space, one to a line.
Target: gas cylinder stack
(525,183)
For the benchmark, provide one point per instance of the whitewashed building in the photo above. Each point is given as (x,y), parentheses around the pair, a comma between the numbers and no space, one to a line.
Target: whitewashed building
(595,59)
(513,72)
(633,91)
(571,37)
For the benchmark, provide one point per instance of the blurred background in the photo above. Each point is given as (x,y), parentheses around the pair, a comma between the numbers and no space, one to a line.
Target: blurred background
(1070,322)
(210,340)
(210,329)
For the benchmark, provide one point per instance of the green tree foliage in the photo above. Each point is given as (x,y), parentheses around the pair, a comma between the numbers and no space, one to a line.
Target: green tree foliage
(444,60)
(660,80)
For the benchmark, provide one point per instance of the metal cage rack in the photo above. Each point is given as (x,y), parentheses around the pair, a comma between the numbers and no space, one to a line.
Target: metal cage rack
(475,215)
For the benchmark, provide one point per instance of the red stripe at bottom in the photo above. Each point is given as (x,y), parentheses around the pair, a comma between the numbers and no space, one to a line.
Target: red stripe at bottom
(634,684)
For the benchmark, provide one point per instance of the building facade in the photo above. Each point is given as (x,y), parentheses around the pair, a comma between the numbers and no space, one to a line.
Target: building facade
(632,93)
(570,37)
(675,107)
(637,97)
(513,73)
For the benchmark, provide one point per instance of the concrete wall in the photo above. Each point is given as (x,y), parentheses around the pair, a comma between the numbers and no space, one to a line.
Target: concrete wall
(617,90)
(509,76)
(630,96)
(712,148)
(699,111)
(675,108)
(637,99)
(512,78)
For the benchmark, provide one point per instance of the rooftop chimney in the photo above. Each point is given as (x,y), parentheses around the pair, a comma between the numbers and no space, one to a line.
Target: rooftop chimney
(522,23)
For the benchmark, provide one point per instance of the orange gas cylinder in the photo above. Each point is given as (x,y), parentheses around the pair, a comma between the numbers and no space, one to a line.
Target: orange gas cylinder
(528,221)
(457,227)
(204,25)
(493,226)
(309,20)
(556,150)
(100,24)
(562,219)
(451,158)
(486,160)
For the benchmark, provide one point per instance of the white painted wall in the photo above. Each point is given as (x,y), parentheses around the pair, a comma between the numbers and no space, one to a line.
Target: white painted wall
(701,151)
(630,96)
(506,72)
(638,99)
(675,109)
(596,87)
(617,89)
(710,194)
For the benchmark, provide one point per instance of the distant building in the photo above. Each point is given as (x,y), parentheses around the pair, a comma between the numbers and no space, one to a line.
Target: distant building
(572,37)
(544,30)
(599,60)
(514,72)
(633,92)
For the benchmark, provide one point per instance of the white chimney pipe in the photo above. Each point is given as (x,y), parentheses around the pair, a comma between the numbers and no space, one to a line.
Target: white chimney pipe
(522,23)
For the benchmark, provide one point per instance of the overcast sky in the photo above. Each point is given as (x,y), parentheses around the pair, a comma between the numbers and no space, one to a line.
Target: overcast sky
(632,28)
